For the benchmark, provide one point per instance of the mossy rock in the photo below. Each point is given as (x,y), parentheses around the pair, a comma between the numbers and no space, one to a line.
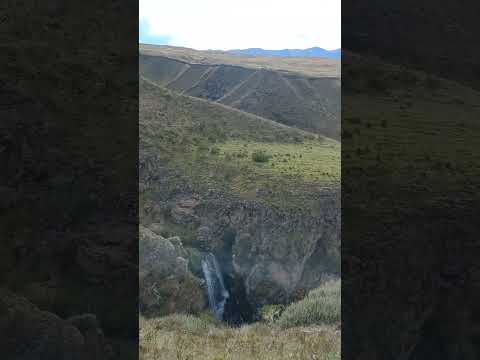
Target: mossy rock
(194,261)
(165,283)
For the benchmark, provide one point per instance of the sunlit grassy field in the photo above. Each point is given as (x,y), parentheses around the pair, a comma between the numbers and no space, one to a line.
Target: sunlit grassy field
(308,161)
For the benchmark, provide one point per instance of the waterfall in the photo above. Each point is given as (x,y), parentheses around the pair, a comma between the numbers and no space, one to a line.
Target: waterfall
(217,293)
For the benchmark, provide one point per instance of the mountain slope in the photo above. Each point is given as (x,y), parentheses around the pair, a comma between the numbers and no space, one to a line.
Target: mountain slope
(408,139)
(311,52)
(297,97)
(262,196)
(202,134)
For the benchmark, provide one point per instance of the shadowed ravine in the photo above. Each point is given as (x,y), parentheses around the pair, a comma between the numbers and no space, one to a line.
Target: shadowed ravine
(227,298)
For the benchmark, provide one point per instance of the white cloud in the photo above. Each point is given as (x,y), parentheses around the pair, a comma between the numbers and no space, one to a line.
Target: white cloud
(229,24)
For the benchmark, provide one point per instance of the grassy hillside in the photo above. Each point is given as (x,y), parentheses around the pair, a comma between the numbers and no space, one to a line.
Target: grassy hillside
(410,139)
(407,106)
(296,98)
(238,153)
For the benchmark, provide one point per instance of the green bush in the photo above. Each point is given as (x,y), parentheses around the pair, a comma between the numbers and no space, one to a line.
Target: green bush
(214,150)
(320,306)
(260,156)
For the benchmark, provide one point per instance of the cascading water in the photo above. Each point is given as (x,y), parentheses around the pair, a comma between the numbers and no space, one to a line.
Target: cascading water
(217,293)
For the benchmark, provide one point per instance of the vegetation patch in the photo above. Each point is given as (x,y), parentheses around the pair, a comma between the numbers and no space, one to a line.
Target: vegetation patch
(251,158)
(320,306)
(270,313)
(189,337)
(260,156)
(194,261)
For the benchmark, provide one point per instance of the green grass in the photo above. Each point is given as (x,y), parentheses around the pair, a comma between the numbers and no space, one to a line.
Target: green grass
(211,146)
(194,325)
(180,337)
(290,178)
(315,161)
(320,306)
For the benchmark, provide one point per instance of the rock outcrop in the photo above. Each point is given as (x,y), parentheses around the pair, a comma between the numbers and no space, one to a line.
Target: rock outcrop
(166,284)
(277,255)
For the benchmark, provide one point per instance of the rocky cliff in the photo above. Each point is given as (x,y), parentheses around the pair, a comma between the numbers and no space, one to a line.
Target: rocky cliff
(276,255)
(166,284)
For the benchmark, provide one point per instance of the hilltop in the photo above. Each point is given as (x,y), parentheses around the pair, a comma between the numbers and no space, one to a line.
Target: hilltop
(311,52)
(315,67)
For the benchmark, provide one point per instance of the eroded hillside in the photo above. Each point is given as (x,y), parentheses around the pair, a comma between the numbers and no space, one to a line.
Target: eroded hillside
(302,93)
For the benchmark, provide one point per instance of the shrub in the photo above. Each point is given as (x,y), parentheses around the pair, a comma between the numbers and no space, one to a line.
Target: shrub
(260,156)
(214,150)
(320,306)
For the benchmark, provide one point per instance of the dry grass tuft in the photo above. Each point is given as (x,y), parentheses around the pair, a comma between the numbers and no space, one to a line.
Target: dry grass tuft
(180,337)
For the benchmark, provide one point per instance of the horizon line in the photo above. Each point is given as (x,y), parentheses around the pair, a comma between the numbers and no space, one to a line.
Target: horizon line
(249,48)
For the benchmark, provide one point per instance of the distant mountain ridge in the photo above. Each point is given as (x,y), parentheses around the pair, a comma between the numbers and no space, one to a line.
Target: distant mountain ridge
(311,52)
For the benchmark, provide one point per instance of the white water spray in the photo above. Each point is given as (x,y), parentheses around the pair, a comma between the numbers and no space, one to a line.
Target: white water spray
(217,293)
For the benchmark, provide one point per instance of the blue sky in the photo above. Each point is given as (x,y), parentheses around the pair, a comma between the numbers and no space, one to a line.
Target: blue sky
(233,24)
(147,37)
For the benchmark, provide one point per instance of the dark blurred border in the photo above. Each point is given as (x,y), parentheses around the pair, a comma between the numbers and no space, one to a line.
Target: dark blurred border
(410,189)
(69,180)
